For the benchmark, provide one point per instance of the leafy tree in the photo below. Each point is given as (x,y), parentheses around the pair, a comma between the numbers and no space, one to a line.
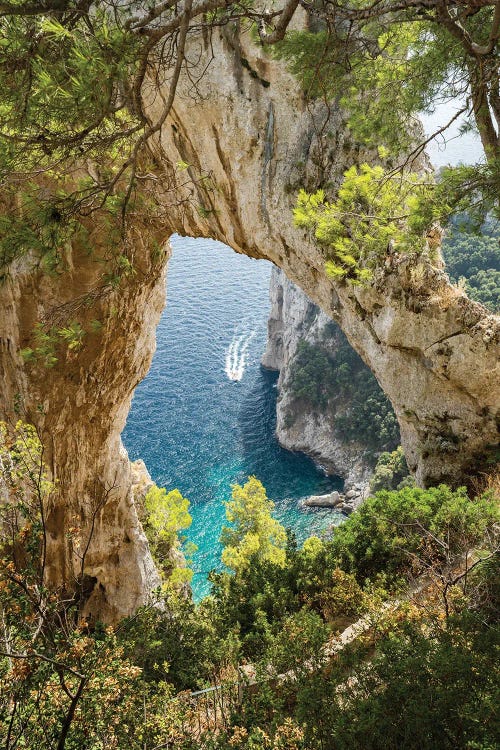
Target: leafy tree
(254,532)
(166,514)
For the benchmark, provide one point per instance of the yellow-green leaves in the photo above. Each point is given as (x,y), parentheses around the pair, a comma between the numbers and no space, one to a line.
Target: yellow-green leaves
(373,210)
(73,335)
(254,531)
(167,513)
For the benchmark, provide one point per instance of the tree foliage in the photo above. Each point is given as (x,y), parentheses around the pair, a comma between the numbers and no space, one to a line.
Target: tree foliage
(90,143)
(387,62)
(391,472)
(166,515)
(254,533)
(372,211)
(405,530)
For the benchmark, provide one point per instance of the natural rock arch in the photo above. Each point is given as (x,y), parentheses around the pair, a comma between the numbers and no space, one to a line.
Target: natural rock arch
(250,141)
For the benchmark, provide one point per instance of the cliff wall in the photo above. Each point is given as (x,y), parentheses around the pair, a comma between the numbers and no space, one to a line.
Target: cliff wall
(313,407)
(80,405)
(249,139)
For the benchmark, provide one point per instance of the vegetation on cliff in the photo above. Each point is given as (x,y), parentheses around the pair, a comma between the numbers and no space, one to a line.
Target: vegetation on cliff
(415,570)
(340,384)
(326,376)
(391,472)
(373,212)
(166,515)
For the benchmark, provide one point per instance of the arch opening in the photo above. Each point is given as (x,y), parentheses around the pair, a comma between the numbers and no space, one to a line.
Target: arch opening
(204,417)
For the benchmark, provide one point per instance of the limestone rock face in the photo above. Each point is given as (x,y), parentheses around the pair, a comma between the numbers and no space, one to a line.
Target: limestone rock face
(241,123)
(433,351)
(301,426)
(80,406)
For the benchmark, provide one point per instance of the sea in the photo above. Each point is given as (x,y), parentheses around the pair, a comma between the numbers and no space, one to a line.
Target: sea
(204,418)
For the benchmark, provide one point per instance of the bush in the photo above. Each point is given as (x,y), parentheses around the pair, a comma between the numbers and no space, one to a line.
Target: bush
(402,532)
(391,472)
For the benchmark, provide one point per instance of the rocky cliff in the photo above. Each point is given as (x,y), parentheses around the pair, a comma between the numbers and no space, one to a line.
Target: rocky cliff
(249,139)
(80,405)
(318,413)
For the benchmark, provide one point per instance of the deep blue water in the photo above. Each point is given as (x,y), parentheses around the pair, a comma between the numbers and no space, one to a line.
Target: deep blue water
(197,429)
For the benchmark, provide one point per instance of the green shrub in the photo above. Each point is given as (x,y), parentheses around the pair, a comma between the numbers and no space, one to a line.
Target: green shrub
(391,472)
(404,531)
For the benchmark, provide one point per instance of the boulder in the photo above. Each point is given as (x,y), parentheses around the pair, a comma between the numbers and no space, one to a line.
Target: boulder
(324,501)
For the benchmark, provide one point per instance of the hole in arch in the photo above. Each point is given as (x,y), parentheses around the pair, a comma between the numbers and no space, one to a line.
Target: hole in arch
(205,415)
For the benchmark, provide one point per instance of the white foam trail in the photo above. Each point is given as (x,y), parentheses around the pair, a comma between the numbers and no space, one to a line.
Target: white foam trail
(237,355)
(232,356)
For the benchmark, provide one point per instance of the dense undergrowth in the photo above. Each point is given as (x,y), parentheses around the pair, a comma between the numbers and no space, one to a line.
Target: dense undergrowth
(414,572)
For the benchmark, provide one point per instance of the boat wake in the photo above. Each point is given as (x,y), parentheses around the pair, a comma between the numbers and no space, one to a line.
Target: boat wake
(237,355)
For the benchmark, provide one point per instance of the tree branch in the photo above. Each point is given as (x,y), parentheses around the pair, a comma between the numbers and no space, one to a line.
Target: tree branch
(280,27)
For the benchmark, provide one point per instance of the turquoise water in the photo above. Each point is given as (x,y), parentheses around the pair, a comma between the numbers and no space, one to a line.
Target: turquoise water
(205,415)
